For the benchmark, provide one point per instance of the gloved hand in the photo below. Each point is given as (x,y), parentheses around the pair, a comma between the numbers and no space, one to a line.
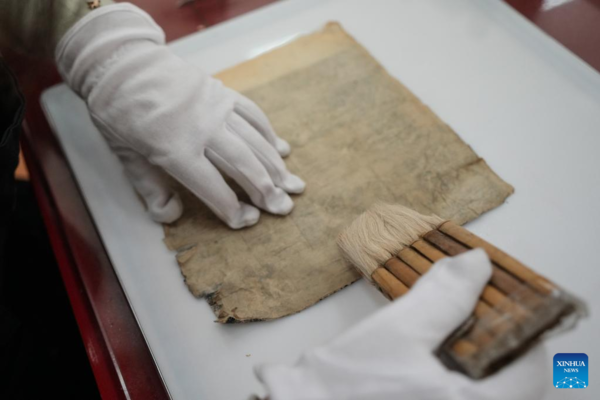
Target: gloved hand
(389,356)
(159,113)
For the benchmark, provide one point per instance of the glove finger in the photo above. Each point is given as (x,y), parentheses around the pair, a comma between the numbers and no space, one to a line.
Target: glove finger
(445,297)
(232,156)
(526,378)
(152,184)
(259,121)
(267,155)
(204,180)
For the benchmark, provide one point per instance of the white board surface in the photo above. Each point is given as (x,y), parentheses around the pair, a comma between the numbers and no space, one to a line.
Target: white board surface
(522,101)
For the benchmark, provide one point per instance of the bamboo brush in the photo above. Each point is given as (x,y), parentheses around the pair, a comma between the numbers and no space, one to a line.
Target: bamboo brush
(393,246)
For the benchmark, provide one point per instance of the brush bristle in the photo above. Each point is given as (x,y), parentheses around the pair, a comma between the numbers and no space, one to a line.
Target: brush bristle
(380,233)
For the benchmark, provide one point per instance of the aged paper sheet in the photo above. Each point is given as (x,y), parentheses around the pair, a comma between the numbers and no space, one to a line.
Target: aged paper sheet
(358,136)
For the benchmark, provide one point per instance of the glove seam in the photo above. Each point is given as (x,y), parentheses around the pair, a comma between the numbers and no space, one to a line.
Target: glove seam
(249,113)
(79,25)
(106,127)
(96,74)
(208,203)
(63,48)
(239,172)
(257,152)
(129,146)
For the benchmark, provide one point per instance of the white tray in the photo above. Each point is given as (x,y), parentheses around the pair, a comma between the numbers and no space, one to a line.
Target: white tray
(522,101)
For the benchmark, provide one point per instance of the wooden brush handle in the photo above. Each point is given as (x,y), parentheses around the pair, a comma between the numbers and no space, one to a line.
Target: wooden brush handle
(496,307)
(408,276)
(501,279)
(410,269)
(490,295)
(499,257)
(392,287)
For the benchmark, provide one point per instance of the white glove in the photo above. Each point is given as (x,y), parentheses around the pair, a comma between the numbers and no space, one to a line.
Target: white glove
(390,354)
(158,113)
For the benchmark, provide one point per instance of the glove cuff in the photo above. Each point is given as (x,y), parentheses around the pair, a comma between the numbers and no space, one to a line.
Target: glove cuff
(93,43)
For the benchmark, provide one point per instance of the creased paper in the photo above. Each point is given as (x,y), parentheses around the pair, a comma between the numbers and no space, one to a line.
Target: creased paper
(358,136)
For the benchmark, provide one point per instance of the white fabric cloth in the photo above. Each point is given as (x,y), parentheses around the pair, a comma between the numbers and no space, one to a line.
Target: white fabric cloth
(159,113)
(389,356)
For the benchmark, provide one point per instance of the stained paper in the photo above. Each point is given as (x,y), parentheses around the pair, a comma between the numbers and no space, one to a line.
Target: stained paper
(358,136)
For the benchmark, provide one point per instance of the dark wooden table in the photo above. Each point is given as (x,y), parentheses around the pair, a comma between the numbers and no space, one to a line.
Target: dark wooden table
(121,361)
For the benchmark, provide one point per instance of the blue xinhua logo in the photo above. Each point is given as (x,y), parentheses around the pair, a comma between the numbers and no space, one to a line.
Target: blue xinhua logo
(571,371)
